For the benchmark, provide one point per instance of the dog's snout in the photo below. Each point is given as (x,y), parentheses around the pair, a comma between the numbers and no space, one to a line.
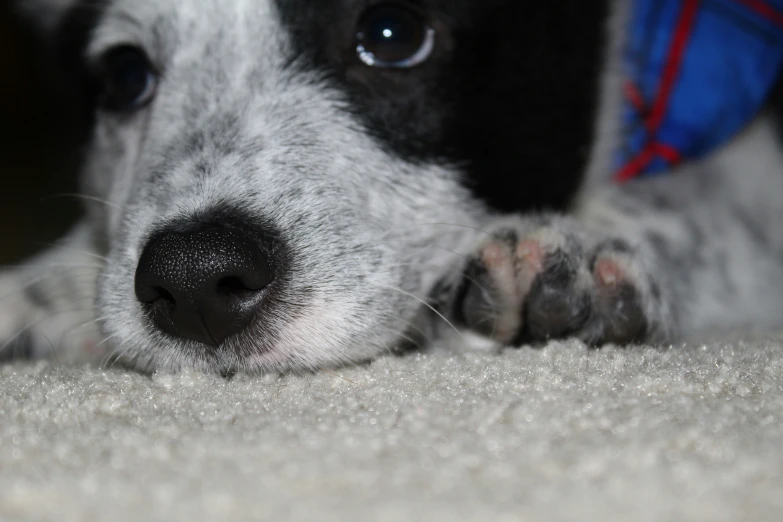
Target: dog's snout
(205,283)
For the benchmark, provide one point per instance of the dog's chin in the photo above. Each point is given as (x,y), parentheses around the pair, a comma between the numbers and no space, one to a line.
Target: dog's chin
(312,337)
(293,353)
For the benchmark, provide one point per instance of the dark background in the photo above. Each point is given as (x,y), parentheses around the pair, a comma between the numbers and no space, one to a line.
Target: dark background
(37,152)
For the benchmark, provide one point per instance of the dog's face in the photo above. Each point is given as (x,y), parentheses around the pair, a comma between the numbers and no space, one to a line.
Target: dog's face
(287,181)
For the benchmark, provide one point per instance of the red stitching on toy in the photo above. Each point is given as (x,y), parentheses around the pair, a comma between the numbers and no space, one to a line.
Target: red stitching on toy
(668,153)
(676,53)
(635,96)
(682,33)
(636,165)
(765,10)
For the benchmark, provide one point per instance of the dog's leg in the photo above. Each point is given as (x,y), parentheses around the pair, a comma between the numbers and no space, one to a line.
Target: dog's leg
(47,305)
(646,261)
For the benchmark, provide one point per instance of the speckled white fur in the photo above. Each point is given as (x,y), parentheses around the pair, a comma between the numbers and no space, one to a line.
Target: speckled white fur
(300,161)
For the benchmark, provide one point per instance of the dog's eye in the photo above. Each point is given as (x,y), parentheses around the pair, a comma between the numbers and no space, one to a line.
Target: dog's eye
(394,35)
(127,79)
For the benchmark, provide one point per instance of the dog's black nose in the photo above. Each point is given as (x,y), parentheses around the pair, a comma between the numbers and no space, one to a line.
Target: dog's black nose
(203,284)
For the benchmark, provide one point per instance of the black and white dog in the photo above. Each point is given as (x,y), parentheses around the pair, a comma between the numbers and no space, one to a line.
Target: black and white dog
(278,185)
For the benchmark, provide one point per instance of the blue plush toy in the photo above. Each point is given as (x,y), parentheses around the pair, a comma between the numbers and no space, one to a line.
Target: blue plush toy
(698,72)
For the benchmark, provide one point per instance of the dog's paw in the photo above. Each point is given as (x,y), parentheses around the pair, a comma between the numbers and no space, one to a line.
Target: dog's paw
(17,317)
(14,339)
(555,281)
(39,321)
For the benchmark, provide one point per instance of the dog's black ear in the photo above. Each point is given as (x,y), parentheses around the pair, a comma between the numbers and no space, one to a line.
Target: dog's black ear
(51,38)
(43,108)
(59,29)
(43,15)
(42,26)
(56,34)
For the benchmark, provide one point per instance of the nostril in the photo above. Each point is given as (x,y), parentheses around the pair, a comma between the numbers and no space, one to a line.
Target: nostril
(233,286)
(164,295)
(149,294)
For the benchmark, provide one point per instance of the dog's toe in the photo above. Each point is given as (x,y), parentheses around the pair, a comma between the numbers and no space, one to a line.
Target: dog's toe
(549,284)
(558,303)
(619,312)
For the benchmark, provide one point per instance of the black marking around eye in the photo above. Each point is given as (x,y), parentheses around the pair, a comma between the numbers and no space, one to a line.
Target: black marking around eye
(512,97)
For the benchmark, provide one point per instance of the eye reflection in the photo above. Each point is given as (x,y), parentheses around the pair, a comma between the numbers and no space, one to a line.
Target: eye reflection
(394,35)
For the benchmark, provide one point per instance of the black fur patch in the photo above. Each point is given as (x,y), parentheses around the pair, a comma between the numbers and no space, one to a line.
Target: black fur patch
(776,105)
(510,92)
(69,44)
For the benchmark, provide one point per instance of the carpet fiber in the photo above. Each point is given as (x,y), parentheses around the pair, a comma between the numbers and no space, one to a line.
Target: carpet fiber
(561,433)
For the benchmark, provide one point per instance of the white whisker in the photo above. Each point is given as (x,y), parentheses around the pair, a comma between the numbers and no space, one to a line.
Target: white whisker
(425,303)
(84,197)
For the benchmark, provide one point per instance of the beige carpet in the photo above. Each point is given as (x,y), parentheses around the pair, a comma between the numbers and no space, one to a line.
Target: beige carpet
(692,434)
